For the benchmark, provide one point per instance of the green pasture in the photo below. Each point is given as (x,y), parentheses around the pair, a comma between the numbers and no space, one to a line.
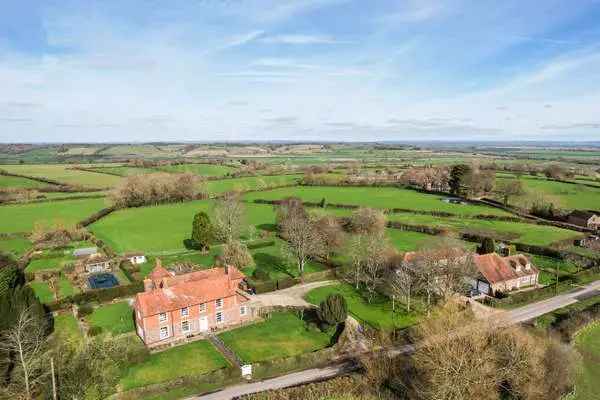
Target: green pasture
(249,183)
(378,313)
(539,235)
(196,358)
(282,335)
(22,217)
(14,182)
(164,229)
(42,291)
(15,245)
(588,380)
(199,169)
(123,170)
(376,197)
(49,263)
(565,195)
(63,174)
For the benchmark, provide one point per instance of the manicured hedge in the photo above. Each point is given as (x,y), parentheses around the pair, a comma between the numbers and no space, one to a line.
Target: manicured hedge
(95,217)
(97,295)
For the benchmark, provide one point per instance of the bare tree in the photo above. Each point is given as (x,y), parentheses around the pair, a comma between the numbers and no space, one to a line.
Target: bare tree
(508,189)
(368,254)
(26,340)
(236,254)
(229,218)
(303,240)
(367,220)
(331,232)
(403,282)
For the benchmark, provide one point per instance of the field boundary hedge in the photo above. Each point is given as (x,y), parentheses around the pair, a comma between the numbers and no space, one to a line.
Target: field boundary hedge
(98,295)
(46,200)
(64,186)
(96,216)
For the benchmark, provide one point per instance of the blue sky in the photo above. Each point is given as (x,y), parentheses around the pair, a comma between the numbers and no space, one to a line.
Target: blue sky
(213,70)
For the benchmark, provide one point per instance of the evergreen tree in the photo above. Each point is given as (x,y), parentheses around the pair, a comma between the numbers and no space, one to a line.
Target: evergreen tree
(459,175)
(202,231)
(333,310)
(487,246)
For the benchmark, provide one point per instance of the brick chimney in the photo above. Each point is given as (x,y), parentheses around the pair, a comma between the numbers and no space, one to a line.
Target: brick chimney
(226,269)
(148,285)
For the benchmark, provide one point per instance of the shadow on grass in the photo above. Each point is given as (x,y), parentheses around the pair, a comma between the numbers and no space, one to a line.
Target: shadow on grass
(270,263)
(267,227)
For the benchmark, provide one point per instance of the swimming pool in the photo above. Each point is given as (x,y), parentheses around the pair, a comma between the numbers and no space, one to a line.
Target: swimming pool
(102,281)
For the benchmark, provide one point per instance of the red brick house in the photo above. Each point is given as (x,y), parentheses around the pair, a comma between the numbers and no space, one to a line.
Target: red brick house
(173,307)
(503,274)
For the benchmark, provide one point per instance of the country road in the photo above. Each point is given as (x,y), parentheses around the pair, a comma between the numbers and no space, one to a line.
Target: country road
(505,318)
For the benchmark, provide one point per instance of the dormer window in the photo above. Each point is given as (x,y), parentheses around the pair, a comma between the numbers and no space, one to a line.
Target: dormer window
(162,317)
(185,312)
(219,303)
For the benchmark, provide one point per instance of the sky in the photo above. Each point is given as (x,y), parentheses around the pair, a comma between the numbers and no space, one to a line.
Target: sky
(301,70)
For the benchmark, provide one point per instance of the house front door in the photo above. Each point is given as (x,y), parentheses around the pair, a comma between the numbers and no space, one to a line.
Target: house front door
(203,323)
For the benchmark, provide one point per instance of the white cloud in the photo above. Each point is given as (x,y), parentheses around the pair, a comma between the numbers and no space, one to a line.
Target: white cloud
(300,39)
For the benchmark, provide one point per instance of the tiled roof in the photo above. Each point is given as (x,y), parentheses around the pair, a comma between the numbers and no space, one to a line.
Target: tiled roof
(158,273)
(497,269)
(189,289)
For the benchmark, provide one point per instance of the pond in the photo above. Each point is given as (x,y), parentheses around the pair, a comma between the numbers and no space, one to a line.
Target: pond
(102,281)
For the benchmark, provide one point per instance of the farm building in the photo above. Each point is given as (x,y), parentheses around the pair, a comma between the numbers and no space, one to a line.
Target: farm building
(173,307)
(503,274)
(85,251)
(587,219)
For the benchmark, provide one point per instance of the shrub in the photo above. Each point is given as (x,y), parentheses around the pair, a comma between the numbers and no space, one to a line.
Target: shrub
(261,275)
(202,231)
(95,330)
(333,310)
(84,309)
(487,246)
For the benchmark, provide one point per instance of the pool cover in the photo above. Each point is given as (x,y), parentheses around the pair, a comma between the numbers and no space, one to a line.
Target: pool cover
(102,281)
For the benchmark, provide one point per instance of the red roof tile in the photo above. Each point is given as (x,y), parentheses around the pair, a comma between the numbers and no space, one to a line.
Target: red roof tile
(497,269)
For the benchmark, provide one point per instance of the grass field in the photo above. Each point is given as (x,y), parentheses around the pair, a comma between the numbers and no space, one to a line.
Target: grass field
(249,183)
(566,195)
(42,291)
(16,245)
(199,169)
(66,288)
(49,264)
(163,229)
(196,358)
(115,318)
(282,335)
(62,174)
(20,183)
(124,170)
(22,217)
(378,313)
(66,327)
(382,197)
(588,381)
(540,235)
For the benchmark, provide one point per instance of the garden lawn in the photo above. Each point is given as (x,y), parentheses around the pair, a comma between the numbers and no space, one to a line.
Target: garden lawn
(282,335)
(66,327)
(164,229)
(378,313)
(22,217)
(539,235)
(377,197)
(61,173)
(42,291)
(115,318)
(49,264)
(588,381)
(250,183)
(199,169)
(195,358)
(66,288)
(16,245)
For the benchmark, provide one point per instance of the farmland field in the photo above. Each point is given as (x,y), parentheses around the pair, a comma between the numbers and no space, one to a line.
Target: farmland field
(588,380)
(565,195)
(16,245)
(539,235)
(62,174)
(22,217)
(18,182)
(249,183)
(163,229)
(282,335)
(199,169)
(124,170)
(380,197)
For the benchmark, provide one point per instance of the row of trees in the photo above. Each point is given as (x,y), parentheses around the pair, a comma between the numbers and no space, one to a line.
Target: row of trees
(461,358)
(151,189)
